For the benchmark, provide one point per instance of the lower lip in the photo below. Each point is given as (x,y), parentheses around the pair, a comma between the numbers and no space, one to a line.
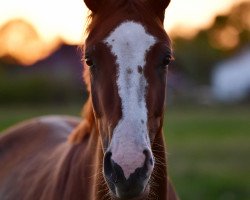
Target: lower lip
(143,196)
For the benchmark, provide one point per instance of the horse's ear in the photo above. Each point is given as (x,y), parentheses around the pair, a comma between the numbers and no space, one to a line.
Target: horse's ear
(159,7)
(93,5)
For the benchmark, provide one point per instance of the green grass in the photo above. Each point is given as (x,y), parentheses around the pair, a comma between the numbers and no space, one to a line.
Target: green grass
(209,152)
(208,148)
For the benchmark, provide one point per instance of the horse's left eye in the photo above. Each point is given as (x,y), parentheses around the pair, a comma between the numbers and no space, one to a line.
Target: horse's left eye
(166,61)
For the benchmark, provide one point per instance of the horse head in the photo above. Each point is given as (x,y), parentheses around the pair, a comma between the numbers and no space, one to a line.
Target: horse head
(127,52)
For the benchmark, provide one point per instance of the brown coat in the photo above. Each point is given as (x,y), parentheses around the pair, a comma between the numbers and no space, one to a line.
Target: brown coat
(38,163)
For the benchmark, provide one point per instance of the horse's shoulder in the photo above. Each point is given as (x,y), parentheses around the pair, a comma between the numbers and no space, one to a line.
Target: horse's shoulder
(38,130)
(33,153)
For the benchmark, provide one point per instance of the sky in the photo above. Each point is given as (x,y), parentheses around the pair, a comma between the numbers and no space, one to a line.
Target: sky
(55,21)
(66,18)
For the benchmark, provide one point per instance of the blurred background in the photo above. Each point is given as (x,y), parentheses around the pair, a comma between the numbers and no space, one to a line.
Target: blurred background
(207,123)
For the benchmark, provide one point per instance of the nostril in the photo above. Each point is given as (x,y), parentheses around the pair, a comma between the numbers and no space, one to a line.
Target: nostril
(112,171)
(149,159)
(107,163)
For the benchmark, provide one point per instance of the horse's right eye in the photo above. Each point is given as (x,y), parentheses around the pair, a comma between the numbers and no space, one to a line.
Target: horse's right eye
(89,61)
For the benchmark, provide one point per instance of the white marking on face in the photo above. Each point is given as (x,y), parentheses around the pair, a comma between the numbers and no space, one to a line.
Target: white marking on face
(129,43)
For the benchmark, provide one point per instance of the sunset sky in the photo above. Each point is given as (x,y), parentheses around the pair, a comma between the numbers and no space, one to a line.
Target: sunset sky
(56,20)
(66,18)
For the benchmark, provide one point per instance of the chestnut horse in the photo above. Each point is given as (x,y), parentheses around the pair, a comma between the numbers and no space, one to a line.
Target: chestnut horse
(117,150)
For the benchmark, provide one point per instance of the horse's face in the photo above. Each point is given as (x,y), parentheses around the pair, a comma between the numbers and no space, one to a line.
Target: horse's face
(127,68)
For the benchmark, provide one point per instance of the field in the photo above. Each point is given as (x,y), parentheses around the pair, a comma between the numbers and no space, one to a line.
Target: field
(209,152)
(208,147)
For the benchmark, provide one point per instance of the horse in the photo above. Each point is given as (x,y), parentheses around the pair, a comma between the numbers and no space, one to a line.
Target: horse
(117,150)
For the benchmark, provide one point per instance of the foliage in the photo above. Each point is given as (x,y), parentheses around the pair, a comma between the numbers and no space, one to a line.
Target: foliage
(228,34)
(40,88)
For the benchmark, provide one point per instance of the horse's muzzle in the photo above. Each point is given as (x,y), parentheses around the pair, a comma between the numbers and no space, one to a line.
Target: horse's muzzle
(132,187)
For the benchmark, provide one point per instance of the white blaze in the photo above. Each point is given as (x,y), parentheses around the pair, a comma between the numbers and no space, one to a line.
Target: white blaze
(129,43)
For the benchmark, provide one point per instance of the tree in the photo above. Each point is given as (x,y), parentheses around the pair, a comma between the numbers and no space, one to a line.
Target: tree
(228,34)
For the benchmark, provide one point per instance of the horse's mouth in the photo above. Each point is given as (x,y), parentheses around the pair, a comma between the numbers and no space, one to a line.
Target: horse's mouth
(130,196)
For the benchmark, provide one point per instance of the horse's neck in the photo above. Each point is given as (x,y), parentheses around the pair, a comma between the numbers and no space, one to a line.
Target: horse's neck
(86,133)
(163,189)
(160,177)
(97,185)
(91,166)
(93,185)
(100,190)
(76,170)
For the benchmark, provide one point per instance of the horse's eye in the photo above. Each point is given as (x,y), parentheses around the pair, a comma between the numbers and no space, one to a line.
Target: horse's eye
(89,61)
(166,61)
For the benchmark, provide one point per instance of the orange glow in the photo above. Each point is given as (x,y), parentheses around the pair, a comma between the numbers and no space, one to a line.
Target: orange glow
(227,38)
(51,18)
(20,41)
(185,18)
(64,20)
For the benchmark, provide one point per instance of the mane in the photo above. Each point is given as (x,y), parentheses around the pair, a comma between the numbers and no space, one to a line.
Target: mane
(88,123)
(136,10)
